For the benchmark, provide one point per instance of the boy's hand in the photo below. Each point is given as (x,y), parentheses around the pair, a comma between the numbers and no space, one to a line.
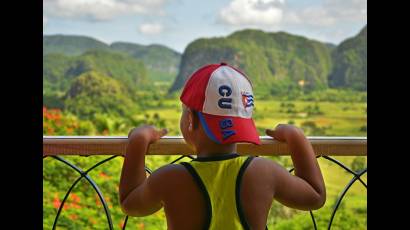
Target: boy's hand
(134,191)
(306,190)
(283,131)
(148,133)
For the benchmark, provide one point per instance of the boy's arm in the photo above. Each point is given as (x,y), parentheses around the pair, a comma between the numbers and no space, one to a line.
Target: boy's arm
(139,196)
(306,190)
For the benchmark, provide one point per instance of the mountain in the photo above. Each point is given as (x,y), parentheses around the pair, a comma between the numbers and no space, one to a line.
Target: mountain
(350,63)
(275,62)
(71,45)
(93,93)
(161,62)
(59,70)
(156,57)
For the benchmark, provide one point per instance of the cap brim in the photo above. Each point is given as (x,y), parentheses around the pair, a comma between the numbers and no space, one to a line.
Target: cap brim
(228,129)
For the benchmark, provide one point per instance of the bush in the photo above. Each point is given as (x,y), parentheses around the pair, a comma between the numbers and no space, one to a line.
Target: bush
(313,110)
(310,128)
(358,164)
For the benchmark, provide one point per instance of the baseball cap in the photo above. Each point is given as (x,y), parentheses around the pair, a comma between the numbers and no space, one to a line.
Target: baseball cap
(222,96)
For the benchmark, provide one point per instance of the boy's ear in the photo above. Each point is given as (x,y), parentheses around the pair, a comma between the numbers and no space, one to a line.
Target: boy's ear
(193,119)
(196,120)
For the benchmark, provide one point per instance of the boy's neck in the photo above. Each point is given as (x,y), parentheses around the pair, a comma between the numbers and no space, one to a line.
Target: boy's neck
(215,150)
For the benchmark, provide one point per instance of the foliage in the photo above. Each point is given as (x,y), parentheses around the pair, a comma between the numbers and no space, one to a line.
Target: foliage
(156,57)
(359,163)
(274,61)
(70,45)
(92,93)
(350,63)
(60,71)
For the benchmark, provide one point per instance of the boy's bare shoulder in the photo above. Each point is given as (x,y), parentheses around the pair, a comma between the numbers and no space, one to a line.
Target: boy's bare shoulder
(169,175)
(170,170)
(270,170)
(263,164)
(171,180)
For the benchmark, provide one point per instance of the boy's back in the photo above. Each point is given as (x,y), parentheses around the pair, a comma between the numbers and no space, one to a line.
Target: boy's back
(231,204)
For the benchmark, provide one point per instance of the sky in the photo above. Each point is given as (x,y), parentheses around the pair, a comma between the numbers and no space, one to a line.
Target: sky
(176,23)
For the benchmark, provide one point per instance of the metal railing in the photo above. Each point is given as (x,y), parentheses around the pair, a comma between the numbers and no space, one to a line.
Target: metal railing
(325,147)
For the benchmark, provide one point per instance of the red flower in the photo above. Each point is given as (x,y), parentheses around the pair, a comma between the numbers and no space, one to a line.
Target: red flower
(121,224)
(75,198)
(73,216)
(103,175)
(76,206)
(69,130)
(92,220)
(48,116)
(50,131)
(57,116)
(97,200)
(56,202)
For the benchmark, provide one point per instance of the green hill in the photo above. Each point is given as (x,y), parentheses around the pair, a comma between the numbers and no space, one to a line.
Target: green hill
(59,70)
(70,45)
(95,82)
(350,63)
(275,62)
(155,57)
(93,93)
(162,63)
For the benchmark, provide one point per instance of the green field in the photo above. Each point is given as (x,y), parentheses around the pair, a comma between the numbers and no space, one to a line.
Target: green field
(337,118)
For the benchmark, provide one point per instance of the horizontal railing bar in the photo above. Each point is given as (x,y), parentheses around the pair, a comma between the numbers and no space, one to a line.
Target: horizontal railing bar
(180,137)
(175,145)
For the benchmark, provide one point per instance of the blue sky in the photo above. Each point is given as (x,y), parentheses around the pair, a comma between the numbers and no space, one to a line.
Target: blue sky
(176,23)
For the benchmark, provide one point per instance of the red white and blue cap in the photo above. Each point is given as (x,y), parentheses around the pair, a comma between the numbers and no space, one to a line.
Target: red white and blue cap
(222,96)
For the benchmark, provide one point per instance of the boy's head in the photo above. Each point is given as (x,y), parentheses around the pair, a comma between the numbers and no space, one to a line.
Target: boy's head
(217,106)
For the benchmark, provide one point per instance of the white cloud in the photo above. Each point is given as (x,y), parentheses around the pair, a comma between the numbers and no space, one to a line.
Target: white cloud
(269,14)
(100,10)
(151,28)
(330,13)
(259,13)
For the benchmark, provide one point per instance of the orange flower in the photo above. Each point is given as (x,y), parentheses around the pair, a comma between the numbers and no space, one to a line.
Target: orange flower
(69,130)
(76,206)
(57,116)
(92,220)
(73,216)
(50,131)
(141,226)
(48,116)
(75,197)
(103,175)
(121,224)
(56,202)
(97,200)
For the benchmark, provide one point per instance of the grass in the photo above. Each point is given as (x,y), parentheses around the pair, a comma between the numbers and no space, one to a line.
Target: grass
(340,118)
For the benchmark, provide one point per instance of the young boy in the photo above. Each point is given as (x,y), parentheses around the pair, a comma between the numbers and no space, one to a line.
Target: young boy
(219,189)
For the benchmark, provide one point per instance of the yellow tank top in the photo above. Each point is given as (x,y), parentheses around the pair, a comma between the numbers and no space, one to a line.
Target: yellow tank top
(219,179)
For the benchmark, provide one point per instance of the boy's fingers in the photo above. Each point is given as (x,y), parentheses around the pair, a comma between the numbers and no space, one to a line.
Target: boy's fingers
(270,132)
(163,132)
